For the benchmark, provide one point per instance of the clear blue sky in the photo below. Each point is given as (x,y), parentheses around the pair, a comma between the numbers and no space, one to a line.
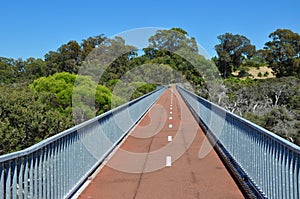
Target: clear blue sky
(32,28)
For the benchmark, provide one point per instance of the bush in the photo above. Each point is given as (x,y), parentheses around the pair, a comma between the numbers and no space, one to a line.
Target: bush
(25,120)
(243,73)
(266,74)
(259,74)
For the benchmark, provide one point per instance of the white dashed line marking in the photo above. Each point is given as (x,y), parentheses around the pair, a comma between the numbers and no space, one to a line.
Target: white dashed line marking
(170,112)
(170,118)
(171,108)
(170,125)
(168,161)
(169,138)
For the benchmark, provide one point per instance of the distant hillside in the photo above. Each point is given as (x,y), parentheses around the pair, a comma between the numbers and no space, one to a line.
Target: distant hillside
(262,72)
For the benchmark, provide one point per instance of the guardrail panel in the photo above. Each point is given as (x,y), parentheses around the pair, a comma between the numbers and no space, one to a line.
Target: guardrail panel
(271,163)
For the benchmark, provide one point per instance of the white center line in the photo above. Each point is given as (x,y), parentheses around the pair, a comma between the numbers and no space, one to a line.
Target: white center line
(169,138)
(170,117)
(170,112)
(168,161)
(171,108)
(170,125)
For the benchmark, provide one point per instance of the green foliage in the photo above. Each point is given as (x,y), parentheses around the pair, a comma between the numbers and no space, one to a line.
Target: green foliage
(243,72)
(271,103)
(266,74)
(8,71)
(60,84)
(259,74)
(86,93)
(53,103)
(282,53)
(25,120)
(232,50)
(69,57)
(172,40)
(141,90)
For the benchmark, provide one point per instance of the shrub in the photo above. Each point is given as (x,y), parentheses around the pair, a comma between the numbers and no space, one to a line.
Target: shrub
(266,74)
(259,74)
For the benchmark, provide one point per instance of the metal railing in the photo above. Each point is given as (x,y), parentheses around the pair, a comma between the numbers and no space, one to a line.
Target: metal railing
(57,166)
(270,162)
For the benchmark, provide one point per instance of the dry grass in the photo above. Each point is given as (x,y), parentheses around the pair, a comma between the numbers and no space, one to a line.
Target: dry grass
(253,71)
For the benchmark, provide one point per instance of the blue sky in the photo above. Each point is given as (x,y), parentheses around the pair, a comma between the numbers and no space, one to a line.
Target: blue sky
(32,28)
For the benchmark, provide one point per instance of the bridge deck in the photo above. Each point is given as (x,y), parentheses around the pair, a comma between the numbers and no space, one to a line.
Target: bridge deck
(141,167)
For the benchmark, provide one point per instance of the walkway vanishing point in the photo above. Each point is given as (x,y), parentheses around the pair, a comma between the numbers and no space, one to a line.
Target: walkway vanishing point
(159,174)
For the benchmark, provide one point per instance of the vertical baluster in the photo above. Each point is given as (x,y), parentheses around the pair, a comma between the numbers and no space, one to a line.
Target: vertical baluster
(66,169)
(55,176)
(285,182)
(261,160)
(61,168)
(40,175)
(8,179)
(48,172)
(287,173)
(277,173)
(291,175)
(20,166)
(273,173)
(68,166)
(257,160)
(31,185)
(268,167)
(297,175)
(45,171)
(72,183)
(26,172)
(2,187)
(14,178)
(263,163)
(58,170)
(281,171)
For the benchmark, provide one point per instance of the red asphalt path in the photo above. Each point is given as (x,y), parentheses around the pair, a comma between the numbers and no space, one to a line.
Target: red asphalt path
(141,166)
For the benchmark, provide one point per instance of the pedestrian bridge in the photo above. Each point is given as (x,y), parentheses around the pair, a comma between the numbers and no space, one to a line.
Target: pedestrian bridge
(169,143)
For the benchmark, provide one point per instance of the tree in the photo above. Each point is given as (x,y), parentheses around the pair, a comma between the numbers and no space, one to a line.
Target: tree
(172,40)
(32,69)
(26,120)
(8,71)
(283,53)
(90,43)
(232,50)
(66,59)
(86,94)
(173,47)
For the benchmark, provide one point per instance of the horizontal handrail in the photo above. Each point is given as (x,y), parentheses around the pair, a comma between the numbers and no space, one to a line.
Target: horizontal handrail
(55,167)
(270,162)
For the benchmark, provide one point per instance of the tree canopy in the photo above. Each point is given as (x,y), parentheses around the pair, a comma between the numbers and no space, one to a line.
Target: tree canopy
(232,50)
(283,53)
(37,95)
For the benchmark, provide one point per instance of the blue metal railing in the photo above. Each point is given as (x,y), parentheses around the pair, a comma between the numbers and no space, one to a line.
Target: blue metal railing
(269,161)
(57,166)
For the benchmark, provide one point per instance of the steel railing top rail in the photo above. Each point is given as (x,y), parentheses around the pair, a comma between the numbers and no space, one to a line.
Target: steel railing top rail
(262,130)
